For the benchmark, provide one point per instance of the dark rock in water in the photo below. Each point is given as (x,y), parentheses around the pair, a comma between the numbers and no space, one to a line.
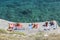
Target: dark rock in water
(26,12)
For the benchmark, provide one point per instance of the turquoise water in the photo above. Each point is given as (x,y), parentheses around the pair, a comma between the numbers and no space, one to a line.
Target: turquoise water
(30,10)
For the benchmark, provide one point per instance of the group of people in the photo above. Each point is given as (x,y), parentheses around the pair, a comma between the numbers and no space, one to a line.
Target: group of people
(46,25)
(50,25)
(14,26)
(19,26)
(31,26)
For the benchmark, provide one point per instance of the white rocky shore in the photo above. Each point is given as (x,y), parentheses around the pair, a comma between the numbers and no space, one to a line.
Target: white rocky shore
(41,35)
(5,24)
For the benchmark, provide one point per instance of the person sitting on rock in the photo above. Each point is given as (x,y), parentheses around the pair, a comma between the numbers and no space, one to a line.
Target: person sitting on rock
(18,26)
(35,25)
(51,23)
(11,26)
(46,24)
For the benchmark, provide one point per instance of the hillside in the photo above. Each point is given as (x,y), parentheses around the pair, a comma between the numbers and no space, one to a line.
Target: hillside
(30,10)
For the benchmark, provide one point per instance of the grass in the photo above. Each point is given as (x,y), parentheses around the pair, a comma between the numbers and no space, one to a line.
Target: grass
(12,32)
(20,33)
(38,36)
(3,31)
